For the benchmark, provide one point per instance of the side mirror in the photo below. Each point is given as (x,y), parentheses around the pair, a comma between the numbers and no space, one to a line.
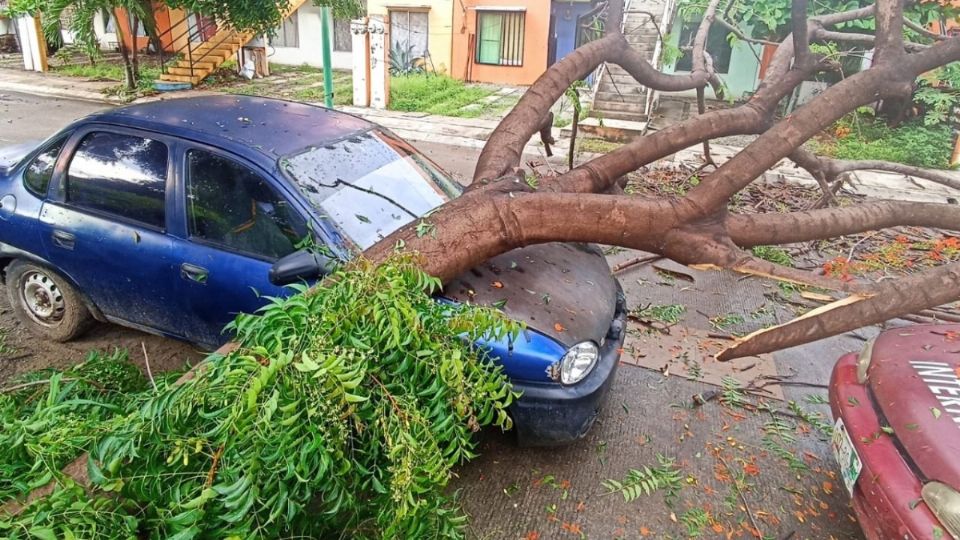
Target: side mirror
(301,265)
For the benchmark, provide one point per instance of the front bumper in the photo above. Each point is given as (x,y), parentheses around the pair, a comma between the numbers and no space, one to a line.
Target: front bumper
(887,486)
(550,414)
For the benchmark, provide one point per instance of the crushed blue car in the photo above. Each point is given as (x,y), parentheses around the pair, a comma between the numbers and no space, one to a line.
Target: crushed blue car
(172,217)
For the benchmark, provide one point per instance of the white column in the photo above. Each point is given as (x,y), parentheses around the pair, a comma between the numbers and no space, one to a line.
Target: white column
(30,44)
(361,62)
(379,62)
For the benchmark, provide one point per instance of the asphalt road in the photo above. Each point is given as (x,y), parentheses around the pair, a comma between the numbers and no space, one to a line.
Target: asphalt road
(728,469)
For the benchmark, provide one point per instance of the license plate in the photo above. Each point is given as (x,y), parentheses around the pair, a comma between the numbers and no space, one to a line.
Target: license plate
(846,454)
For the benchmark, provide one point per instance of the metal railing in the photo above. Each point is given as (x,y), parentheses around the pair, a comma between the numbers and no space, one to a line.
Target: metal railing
(193,31)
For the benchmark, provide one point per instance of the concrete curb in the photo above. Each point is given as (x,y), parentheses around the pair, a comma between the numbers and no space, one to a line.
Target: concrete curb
(53,91)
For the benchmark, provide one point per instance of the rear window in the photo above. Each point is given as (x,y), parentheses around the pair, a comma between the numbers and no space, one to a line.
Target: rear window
(38,173)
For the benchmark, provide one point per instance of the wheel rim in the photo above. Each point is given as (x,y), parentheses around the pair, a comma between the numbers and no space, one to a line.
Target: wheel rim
(42,298)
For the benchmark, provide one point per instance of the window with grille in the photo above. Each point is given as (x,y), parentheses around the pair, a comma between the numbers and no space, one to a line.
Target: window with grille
(287,34)
(342,38)
(500,37)
(409,33)
(717,45)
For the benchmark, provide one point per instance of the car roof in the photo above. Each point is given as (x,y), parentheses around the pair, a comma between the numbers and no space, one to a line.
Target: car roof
(273,127)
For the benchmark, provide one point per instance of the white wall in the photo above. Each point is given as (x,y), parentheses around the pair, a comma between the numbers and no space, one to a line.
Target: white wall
(310,51)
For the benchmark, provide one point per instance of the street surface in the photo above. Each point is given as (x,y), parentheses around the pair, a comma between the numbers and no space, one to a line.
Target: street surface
(740,468)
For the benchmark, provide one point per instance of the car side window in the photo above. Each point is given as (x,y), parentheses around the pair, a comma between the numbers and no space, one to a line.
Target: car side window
(119,174)
(38,173)
(230,205)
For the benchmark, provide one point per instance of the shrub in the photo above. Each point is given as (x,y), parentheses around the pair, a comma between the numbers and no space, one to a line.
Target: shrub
(911,143)
(340,414)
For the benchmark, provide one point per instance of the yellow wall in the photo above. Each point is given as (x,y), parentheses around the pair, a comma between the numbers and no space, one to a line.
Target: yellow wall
(439,22)
(537,28)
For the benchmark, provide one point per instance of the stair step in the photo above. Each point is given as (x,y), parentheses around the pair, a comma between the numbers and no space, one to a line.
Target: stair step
(217,47)
(622,97)
(214,55)
(619,106)
(174,70)
(622,80)
(621,115)
(204,64)
(169,77)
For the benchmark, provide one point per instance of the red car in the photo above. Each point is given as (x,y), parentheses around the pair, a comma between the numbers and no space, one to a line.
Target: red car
(897,432)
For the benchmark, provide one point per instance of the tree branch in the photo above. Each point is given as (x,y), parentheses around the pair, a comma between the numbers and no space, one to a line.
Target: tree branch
(801,37)
(889,38)
(891,298)
(887,79)
(867,40)
(748,230)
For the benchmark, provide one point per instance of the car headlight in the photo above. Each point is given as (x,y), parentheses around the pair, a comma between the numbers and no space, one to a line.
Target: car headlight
(863,361)
(578,362)
(945,503)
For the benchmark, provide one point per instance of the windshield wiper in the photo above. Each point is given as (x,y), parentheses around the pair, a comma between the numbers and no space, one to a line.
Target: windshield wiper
(339,182)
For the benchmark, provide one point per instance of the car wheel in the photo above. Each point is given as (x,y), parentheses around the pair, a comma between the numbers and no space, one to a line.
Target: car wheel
(45,302)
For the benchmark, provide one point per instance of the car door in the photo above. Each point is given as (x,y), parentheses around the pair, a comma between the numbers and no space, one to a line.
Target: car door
(104,225)
(236,224)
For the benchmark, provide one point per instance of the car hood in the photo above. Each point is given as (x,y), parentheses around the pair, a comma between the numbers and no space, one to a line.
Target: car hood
(565,291)
(914,377)
(11,155)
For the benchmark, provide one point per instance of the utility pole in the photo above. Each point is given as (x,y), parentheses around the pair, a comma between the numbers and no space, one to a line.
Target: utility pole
(327,68)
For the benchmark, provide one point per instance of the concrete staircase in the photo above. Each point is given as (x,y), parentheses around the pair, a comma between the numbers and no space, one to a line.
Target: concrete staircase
(619,96)
(198,62)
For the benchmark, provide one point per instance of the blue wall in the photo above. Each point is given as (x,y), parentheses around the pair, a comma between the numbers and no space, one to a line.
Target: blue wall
(565,14)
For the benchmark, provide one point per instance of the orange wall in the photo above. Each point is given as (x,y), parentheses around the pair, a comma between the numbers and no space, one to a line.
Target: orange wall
(537,28)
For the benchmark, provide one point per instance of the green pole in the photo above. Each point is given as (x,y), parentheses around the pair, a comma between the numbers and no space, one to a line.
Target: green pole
(327,69)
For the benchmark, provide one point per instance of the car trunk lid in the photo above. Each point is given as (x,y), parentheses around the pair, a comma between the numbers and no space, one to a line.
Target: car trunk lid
(565,291)
(11,155)
(914,377)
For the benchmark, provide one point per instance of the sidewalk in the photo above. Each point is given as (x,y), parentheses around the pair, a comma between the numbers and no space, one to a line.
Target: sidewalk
(46,84)
(474,132)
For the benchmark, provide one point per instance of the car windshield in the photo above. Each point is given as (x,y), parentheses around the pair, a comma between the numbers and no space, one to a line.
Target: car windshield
(369,184)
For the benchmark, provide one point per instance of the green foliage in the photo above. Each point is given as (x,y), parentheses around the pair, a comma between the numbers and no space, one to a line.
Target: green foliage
(733,393)
(340,414)
(435,94)
(773,254)
(939,94)
(725,321)
(403,61)
(770,19)
(911,143)
(664,477)
(669,314)
(343,9)
(70,514)
(47,417)
(695,521)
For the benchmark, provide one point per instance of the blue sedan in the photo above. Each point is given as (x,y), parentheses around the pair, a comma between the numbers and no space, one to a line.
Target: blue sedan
(171,217)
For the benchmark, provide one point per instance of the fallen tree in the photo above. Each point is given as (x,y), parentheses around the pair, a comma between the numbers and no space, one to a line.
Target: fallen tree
(501,212)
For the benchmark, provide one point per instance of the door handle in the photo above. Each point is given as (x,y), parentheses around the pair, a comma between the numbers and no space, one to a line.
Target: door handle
(63,239)
(194,273)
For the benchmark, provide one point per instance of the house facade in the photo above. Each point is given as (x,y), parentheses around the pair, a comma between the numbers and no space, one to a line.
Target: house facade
(419,32)
(299,40)
(500,41)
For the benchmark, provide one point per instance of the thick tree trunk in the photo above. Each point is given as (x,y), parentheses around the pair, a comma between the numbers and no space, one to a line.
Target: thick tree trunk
(129,75)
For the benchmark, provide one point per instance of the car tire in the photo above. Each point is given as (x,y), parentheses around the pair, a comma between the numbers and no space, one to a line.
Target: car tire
(45,302)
